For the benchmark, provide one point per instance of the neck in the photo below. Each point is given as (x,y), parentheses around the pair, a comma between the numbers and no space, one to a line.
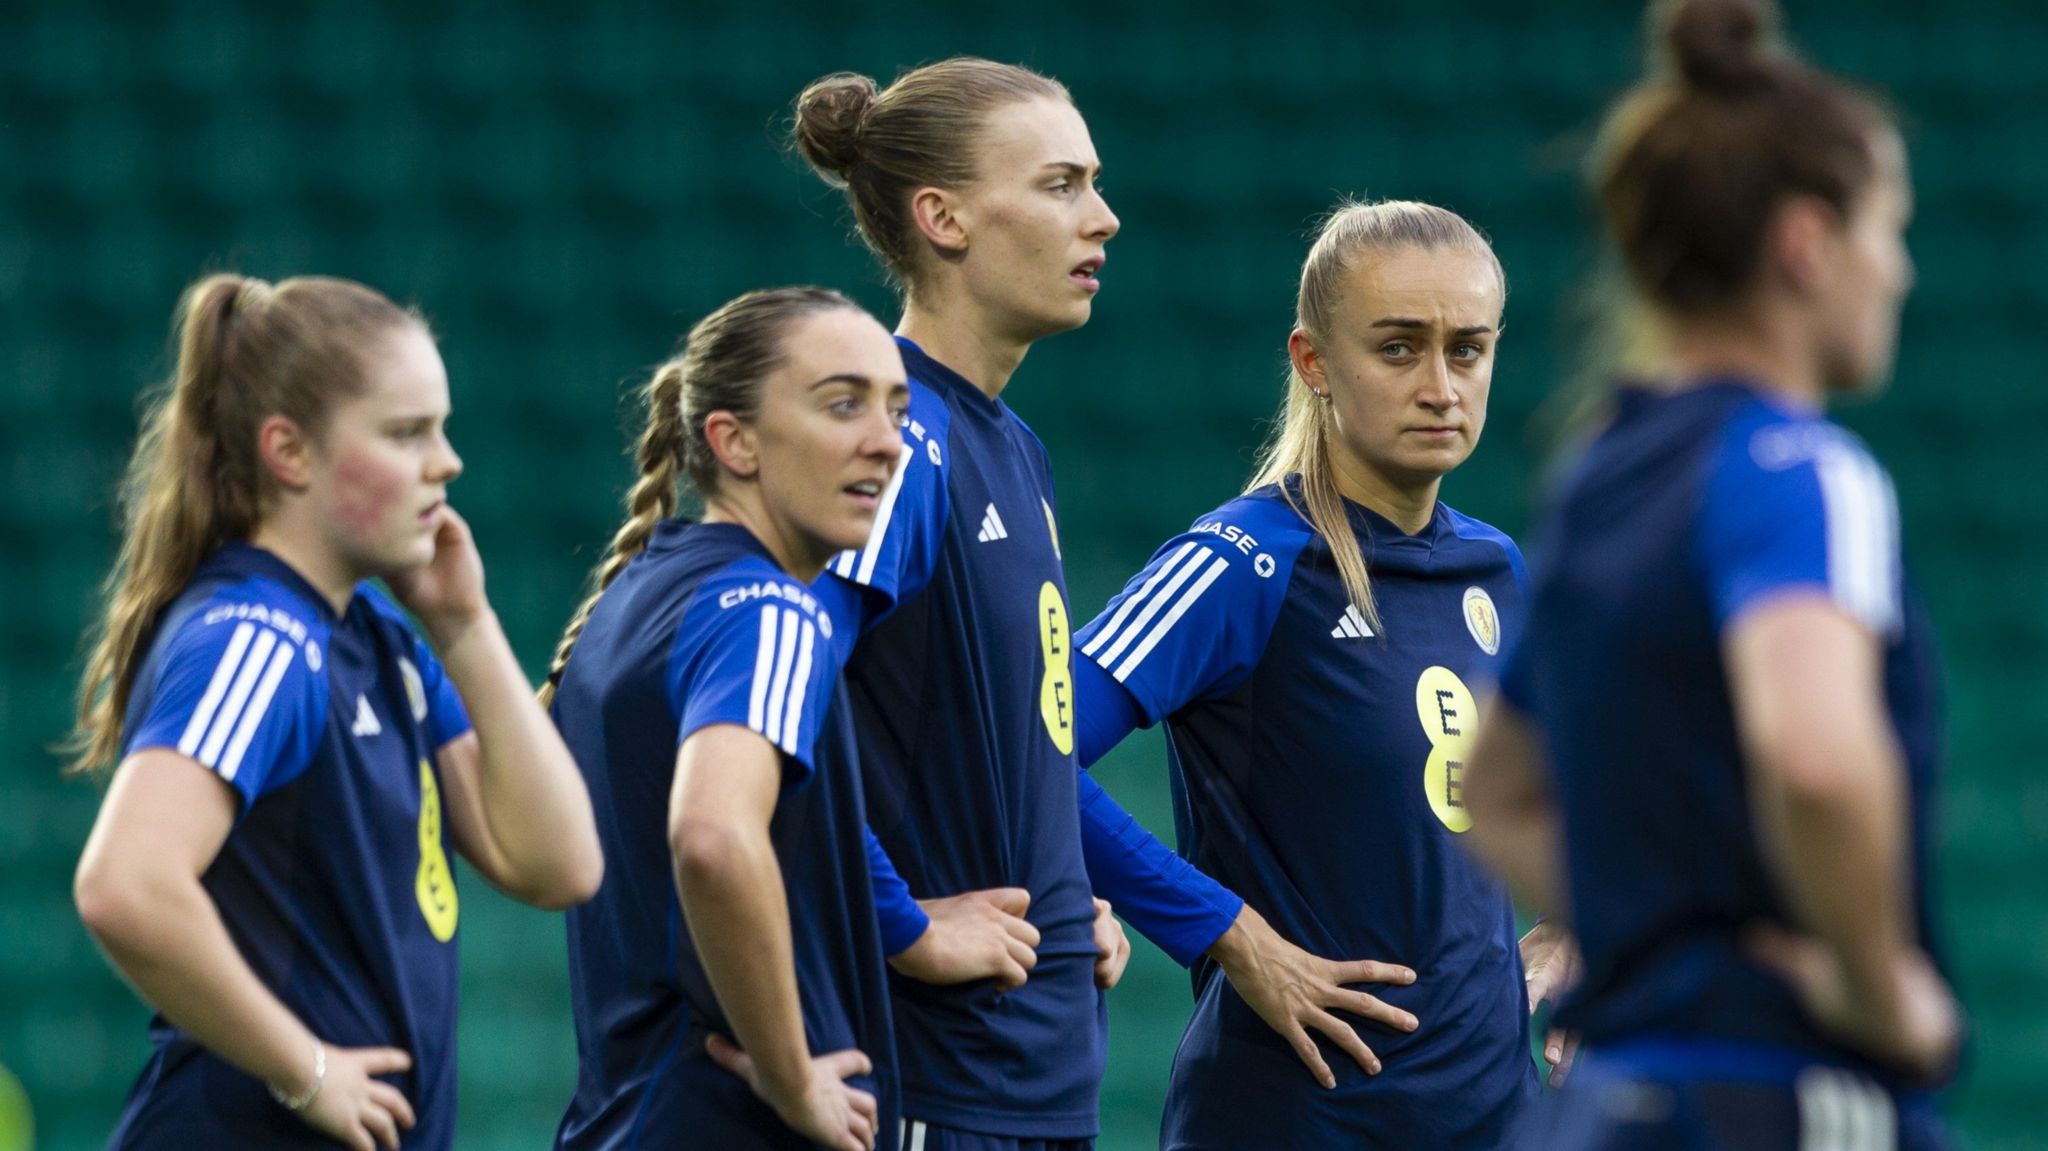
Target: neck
(790,551)
(333,579)
(1764,353)
(1408,506)
(959,336)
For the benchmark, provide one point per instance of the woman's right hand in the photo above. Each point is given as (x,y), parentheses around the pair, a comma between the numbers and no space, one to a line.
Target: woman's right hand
(1912,1024)
(1294,991)
(823,1108)
(356,1108)
(974,935)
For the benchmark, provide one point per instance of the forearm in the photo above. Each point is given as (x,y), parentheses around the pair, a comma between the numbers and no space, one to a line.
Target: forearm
(738,916)
(1522,844)
(1169,900)
(1837,840)
(164,934)
(535,807)
(902,921)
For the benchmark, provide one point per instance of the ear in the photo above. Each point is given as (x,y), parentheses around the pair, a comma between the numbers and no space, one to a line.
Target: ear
(1804,234)
(1308,363)
(286,451)
(734,443)
(936,214)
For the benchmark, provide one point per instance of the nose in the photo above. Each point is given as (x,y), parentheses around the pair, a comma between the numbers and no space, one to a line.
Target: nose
(1104,224)
(445,465)
(1437,393)
(884,438)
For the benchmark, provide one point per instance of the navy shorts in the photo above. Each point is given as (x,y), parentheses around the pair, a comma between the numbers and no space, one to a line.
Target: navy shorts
(1615,1101)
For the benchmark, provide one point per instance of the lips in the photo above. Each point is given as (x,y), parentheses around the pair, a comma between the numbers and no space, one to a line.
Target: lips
(1084,273)
(866,493)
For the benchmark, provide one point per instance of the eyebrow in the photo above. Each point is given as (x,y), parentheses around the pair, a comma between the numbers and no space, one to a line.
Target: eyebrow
(1073,168)
(854,378)
(1405,322)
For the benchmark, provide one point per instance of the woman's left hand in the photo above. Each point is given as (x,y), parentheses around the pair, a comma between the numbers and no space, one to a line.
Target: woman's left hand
(448,593)
(1112,947)
(1550,963)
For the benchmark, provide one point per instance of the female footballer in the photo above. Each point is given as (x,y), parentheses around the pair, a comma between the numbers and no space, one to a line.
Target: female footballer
(270,867)
(1719,736)
(1313,648)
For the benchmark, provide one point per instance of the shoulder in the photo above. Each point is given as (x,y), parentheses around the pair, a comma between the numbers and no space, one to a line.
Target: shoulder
(250,611)
(1762,449)
(736,592)
(1261,522)
(1480,532)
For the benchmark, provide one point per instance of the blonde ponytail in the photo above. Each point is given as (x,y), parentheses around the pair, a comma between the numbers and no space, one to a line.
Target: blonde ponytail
(1300,443)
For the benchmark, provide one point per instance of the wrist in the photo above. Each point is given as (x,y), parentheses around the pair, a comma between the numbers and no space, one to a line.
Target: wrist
(297,1095)
(1237,941)
(450,633)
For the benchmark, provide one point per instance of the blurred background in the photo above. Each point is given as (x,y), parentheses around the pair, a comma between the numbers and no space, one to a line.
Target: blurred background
(565,188)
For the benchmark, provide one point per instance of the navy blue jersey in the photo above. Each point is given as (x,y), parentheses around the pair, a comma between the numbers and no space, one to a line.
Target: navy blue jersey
(334,882)
(1316,763)
(963,693)
(1689,509)
(702,629)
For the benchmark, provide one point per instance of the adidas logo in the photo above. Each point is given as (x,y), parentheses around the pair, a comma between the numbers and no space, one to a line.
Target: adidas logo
(366,720)
(1351,625)
(992,526)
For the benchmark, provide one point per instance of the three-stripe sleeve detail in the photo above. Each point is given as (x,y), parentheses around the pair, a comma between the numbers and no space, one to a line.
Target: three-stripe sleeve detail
(782,673)
(237,698)
(1148,614)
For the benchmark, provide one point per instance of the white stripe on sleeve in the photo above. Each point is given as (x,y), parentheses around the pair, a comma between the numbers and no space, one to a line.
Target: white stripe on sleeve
(223,674)
(1862,536)
(252,716)
(800,680)
(238,695)
(1150,599)
(764,667)
(778,690)
(1180,608)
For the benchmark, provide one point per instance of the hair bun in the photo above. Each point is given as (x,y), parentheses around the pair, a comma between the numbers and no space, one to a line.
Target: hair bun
(829,114)
(1719,45)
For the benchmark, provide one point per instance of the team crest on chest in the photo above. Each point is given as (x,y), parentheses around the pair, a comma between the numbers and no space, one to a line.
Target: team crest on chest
(1482,619)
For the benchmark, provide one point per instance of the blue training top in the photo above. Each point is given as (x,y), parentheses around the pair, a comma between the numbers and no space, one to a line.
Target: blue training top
(1316,761)
(703,629)
(963,691)
(1690,509)
(334,882)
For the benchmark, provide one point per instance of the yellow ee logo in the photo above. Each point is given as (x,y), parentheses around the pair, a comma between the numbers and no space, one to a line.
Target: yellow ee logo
(1056,693)
(434,886)
(1449,717)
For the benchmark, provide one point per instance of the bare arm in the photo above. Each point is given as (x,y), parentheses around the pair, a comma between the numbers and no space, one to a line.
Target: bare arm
(138,891)
(1827,784)
(1514,821)
(517,807)
(734,902)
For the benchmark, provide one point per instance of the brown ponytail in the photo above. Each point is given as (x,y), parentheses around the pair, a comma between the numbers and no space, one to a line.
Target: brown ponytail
(247,350)
(725,361)
(1694,161)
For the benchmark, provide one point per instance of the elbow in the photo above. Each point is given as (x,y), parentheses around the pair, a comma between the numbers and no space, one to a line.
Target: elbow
(110,903)
(706,851)
(1815,769)
(575,882)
